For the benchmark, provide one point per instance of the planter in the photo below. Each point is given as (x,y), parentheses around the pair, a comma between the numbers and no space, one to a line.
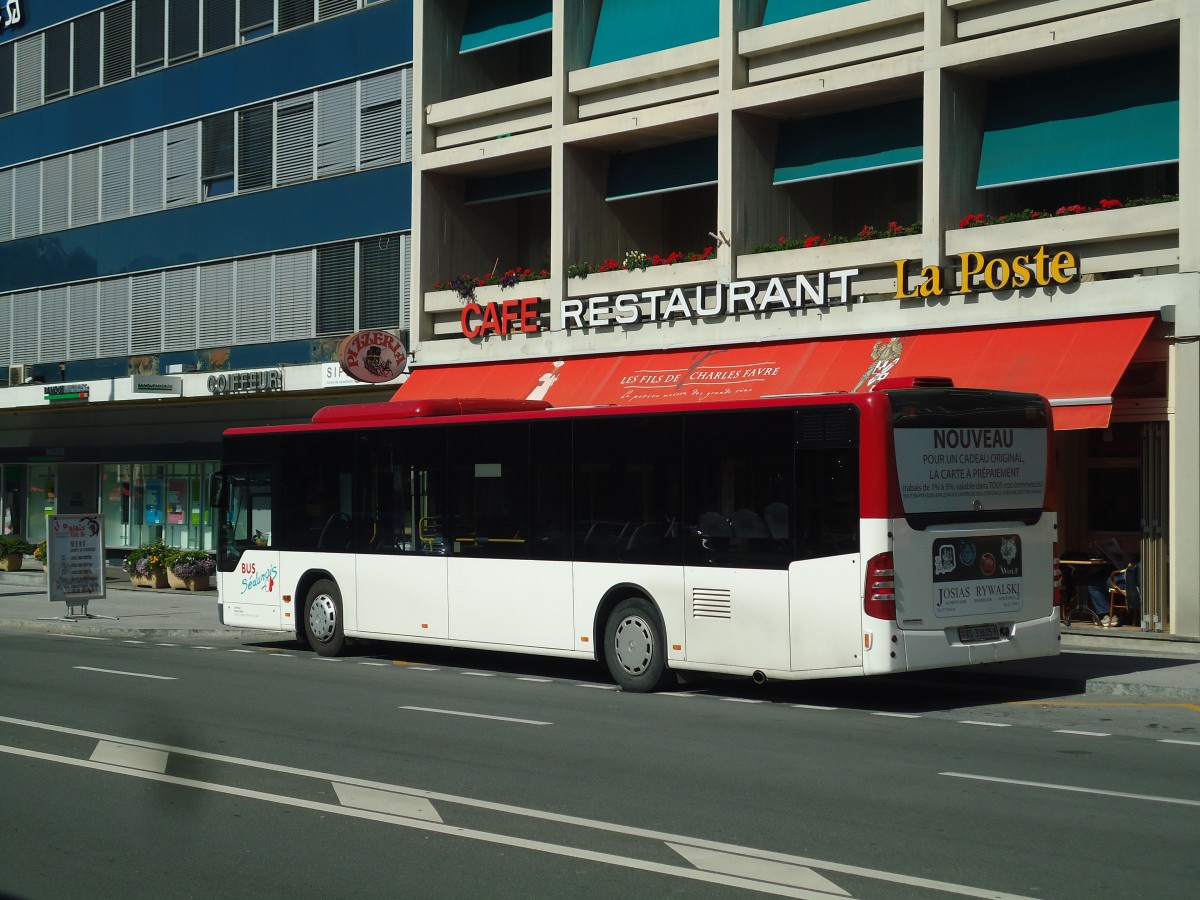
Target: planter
(11,562)
(153,580)
(619,281)
(188,582)
(450,301)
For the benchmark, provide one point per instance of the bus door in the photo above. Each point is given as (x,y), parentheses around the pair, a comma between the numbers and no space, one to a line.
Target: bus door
(247,564)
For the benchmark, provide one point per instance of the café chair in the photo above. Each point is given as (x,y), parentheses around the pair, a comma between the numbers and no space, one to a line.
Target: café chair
(1118,596)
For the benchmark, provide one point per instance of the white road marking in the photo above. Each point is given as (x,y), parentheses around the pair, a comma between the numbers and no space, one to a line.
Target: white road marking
(176,645)
(480,674)
(369,662)
(897,715)
(130,757)
(1075,790)
(535,680)
(454,712)
(811,706)
(131,641)
(740,700)
(327,659)
(1084,733)
(758,869)
(386,802)
(81,637)
(1172,741)
(132,674)
(423,668)
(541,815)
(600,687)
(194,647)
(985,724)
(232,650)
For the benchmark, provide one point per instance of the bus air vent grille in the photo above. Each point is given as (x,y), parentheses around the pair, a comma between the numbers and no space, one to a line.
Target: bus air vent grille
(712,603)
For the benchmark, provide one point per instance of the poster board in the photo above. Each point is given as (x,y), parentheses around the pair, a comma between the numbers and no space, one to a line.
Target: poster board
(75,559)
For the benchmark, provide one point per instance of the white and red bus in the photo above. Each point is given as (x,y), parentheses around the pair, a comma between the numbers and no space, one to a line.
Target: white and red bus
(911,527)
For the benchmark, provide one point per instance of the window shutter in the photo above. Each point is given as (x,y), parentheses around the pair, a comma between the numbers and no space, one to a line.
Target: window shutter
(82,322)
(216,154)
(150,35)
(379,298)
(56,193)
(25,329)
(294,126)
(118,43)
(406,281)
(216,305)
(86,71)
(295,299)
(5,331)
(6,207)
(27,186)
(148,173)
(7,80)
(220,24)
(183,30)
(408,114)
(335,289)
(53,323)
(179,310)
(146,318)
(254,149)
(85,187)
(114,180)
(329,8)
(58,61)
(335,130)
(258,18)
(113,337)
(183,164)
(29,72)
(382,117)
(252,312)
(294,13)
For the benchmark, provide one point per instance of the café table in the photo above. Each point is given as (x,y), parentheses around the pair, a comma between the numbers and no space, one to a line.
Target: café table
(1082,568)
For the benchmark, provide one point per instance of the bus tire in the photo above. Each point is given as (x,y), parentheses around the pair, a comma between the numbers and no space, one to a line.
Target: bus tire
(635,647)
(323,618)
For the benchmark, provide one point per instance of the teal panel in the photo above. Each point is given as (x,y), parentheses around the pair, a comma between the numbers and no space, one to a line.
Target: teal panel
(1116,114)
(657,170)
(782,10)
(629,28)
(880,137)
(492,22)
(507,187)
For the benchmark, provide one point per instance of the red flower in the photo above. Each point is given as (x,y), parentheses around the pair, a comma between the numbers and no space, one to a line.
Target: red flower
(815,241)
(1111,204)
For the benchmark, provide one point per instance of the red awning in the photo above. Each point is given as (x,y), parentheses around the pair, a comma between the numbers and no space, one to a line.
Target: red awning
(1076,364)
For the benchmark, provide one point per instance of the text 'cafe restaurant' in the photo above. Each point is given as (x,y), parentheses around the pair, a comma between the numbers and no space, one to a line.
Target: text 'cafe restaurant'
(1023,322)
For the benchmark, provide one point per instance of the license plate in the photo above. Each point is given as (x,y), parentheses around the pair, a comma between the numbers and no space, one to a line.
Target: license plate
(973,634)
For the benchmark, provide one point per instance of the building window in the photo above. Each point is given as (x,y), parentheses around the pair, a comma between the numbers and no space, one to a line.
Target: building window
(220,25)
(335,289)
(58,62)
(382,273)
(183,30)
(150,35)
(118,43)
(216,157)
(257,20)
(254,149)
(86,73)
(294,13)
(6,78)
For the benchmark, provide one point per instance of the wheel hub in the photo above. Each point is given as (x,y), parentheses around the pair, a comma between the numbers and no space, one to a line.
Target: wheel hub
(322,618)
(634,645)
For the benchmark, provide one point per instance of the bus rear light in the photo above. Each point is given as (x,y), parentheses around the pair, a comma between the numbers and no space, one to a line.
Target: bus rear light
(879,596)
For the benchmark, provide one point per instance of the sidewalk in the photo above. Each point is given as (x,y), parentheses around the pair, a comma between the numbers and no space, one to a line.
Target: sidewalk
(1121,662)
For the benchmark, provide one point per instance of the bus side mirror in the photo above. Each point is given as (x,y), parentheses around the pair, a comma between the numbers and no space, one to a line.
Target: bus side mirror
(216,489)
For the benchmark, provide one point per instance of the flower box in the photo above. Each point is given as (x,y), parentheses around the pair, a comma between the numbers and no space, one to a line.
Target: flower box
(11,562)
(878,253)
(450,301)
(1100,226)
(150,580)
(619,281)
(188,582)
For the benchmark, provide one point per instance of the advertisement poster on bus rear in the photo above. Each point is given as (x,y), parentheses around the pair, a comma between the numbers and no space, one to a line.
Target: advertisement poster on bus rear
(955,469)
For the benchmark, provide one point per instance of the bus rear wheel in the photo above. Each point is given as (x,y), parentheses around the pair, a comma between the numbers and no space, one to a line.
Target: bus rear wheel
(323,618)
(635,648)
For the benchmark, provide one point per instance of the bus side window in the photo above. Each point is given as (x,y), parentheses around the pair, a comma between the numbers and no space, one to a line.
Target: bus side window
(827,478)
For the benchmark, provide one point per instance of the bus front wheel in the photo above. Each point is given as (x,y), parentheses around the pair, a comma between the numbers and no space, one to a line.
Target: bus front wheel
(323,618)
(634,646)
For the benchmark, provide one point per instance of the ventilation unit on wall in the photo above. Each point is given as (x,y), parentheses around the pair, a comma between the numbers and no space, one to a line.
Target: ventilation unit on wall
(16,375)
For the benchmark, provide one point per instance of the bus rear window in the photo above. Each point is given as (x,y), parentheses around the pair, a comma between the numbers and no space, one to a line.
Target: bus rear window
(970,455)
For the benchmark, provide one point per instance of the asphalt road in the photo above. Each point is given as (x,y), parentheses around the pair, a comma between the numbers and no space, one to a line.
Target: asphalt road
(260,770)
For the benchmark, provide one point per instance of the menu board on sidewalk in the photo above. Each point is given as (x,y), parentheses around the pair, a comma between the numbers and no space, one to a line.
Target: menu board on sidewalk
(75,559)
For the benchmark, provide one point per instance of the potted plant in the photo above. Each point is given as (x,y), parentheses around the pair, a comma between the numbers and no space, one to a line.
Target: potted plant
(13,548)
(39,552)
(190,570)
(146,564)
